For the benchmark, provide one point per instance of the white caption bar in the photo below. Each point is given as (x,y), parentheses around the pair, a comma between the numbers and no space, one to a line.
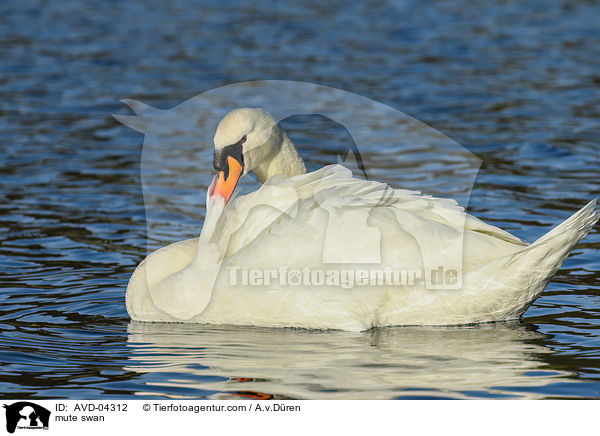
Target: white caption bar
(149,417)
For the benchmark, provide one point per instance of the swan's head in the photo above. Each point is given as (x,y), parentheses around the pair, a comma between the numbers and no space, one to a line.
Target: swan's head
(245,138)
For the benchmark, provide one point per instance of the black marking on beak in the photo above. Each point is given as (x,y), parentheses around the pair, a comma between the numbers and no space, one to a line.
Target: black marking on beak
(221,155)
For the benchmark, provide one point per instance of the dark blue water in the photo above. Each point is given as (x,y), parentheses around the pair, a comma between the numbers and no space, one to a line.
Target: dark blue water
(515,82)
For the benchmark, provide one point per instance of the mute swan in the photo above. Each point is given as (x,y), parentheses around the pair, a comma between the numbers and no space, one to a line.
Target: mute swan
(256,255)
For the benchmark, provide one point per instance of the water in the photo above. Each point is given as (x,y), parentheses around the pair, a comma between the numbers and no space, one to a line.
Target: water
(517,83)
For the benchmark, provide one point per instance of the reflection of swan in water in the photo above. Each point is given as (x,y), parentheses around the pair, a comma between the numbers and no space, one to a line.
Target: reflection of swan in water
(188,361)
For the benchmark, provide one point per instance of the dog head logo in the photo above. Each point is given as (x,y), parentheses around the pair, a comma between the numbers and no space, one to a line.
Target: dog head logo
(26,415)
(179,141)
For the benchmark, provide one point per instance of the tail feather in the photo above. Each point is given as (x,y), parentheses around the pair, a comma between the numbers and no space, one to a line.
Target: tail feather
(518,279)
(579,224)
(547,254)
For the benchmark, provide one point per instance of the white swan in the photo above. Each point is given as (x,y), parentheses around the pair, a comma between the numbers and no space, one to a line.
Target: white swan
(282,255)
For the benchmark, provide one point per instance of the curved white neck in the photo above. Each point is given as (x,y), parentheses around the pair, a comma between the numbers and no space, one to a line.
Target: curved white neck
(286,161)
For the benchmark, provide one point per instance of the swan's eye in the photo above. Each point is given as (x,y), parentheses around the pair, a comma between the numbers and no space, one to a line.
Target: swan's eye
(243,139)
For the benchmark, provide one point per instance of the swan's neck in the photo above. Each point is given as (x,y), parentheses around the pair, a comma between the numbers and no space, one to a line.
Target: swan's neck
(285,161)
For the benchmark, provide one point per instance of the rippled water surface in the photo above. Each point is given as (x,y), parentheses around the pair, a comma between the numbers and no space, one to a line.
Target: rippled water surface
(515,82)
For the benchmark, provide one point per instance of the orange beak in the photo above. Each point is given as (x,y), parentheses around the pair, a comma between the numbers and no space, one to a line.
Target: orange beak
(225,186)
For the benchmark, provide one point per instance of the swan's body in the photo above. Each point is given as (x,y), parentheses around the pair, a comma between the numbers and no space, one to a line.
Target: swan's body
(329,221)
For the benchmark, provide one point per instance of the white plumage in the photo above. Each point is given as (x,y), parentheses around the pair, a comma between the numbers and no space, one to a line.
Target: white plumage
(329,221)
